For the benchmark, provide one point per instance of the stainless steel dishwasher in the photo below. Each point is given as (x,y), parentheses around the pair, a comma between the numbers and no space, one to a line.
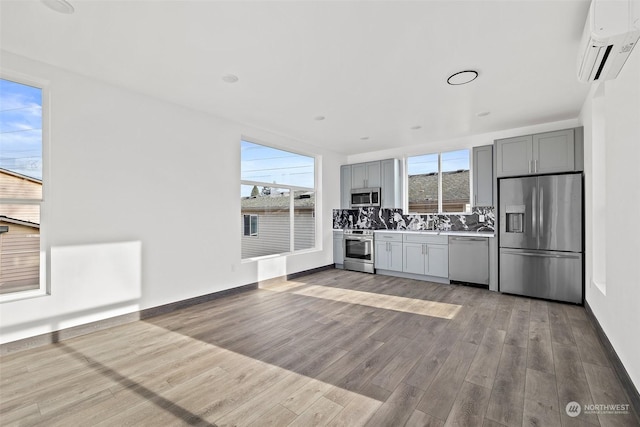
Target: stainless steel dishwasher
(469,259)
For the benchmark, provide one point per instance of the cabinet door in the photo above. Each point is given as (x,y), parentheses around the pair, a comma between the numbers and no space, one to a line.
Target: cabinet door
(381,256)
(358,176)
(483,176)
(345,187)
(515,156)
(338,251)
(554,151)
(394,256)
(437,260)
(413,258)
(374,176)
(391,187)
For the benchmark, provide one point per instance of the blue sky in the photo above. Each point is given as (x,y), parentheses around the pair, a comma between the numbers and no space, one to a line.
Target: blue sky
(21,128)
(266,164)
(428,163)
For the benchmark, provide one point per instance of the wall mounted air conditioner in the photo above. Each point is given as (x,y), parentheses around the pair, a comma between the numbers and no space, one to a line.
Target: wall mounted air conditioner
(610,33)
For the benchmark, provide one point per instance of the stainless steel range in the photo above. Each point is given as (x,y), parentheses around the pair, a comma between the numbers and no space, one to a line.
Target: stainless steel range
(358,250)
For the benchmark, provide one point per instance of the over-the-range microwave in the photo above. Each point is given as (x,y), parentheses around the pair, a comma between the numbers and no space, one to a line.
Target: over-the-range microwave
(365,197)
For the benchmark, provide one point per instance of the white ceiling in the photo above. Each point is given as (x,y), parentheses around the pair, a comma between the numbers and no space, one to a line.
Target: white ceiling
(372,68)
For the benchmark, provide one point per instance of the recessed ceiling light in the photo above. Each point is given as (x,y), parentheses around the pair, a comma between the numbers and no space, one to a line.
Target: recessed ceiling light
(319,118)
(483,113)
(364,138)
(462,77)
(416,127)
(230,78)
(62,6)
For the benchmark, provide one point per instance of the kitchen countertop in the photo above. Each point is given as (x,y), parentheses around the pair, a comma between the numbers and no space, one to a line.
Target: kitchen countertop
(437,232)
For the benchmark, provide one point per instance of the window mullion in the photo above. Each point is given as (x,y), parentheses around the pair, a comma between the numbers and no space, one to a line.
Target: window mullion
(291,224)
(439,183)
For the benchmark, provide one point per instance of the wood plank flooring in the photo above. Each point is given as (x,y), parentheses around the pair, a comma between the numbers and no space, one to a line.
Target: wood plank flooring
(334,348)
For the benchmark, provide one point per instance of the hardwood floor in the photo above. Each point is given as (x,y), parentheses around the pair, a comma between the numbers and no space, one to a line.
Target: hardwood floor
(334,348)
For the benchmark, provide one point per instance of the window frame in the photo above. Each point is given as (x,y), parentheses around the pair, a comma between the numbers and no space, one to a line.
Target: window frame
(292,191)
(440,174)
(44,288)
(253,231)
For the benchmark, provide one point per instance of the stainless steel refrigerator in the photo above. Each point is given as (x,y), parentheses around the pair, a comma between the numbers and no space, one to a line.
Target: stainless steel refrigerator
(541,246)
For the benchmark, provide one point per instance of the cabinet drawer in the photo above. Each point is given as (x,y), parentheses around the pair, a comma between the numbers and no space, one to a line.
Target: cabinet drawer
(426,238)
(388,237)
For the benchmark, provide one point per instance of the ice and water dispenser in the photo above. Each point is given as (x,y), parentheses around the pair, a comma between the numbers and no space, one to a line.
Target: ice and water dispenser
(515,219)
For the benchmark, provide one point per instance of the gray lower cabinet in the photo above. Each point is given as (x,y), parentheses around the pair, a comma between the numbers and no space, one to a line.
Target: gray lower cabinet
(338,249)
(549,152)
(426,255)
(388,251)
(483,176)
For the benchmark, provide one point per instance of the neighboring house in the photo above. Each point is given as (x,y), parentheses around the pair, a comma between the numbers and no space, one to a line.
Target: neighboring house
(19,255)
(266,230)
(19,233)
(423,192)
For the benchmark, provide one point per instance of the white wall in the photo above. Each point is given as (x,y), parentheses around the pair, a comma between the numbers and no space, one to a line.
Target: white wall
(616,303)
(460,143)
(142,204)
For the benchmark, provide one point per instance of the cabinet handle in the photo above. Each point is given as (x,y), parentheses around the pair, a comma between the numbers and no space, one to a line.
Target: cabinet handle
(535,166)
(475,199)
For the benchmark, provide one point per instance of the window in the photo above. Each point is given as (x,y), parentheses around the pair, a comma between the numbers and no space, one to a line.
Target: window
(277,188)
(20,187)
(250,225)
(439,183)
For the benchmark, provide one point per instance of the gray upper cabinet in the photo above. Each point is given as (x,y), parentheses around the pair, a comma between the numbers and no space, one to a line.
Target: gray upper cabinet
(483,176)
(554,151)
(366,175)
(384,174)
(345,187)
(514,155)
(391,181)
(549,152)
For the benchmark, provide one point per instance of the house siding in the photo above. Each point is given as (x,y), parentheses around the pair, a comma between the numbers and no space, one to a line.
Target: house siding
(19,261)
(273,234)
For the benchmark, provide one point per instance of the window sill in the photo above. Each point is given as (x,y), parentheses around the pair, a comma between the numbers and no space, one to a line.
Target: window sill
(284,254)
(18,296)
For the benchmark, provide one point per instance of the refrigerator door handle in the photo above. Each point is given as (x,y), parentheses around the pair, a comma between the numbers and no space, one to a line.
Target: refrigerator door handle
(534,211)
(541,222)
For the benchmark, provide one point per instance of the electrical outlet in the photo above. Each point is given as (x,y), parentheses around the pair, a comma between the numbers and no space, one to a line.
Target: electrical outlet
(481,218)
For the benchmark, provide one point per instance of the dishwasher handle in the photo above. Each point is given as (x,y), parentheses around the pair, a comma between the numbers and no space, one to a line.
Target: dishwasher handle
(468,239)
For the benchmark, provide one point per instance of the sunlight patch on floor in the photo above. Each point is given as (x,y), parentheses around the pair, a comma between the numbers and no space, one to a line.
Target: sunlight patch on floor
(387,302)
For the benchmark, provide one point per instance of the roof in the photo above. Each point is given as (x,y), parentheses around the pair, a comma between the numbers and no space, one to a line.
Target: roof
(19,175)
(425,186)
(18,221)
(306,200)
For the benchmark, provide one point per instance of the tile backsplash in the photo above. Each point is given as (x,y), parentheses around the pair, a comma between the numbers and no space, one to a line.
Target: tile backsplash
(394,219)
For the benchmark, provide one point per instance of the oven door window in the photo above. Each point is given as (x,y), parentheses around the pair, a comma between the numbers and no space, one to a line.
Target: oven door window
(358,249)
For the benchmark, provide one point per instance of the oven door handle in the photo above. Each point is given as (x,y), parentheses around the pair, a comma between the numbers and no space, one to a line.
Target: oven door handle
(359,238)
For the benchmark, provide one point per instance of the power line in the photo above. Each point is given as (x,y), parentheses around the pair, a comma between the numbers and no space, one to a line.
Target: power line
(22,108)
(21,130)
